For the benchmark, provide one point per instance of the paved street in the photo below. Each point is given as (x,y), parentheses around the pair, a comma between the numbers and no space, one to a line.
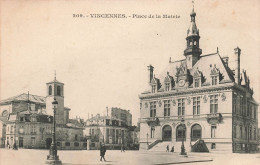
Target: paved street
(28,157)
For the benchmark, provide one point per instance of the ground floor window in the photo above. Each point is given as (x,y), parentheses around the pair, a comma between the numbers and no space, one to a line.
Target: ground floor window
(33,140)
(213,145)
(213,131)
(67,144)
(152,132)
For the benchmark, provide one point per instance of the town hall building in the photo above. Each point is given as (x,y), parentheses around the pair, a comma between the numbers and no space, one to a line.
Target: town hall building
(199,97)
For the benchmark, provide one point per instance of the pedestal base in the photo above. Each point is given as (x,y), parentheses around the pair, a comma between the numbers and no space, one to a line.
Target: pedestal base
(54,162)
(183,154)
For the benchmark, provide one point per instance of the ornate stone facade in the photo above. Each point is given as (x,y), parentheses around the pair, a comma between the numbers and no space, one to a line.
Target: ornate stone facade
(215,102)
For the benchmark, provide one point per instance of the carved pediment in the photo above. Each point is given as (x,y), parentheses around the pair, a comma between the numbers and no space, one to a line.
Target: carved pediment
(214,71)
(197,73)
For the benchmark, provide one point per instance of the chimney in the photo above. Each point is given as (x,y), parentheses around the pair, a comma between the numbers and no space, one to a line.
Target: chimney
(150,73)
(237,65)
(107,111)
(225,59)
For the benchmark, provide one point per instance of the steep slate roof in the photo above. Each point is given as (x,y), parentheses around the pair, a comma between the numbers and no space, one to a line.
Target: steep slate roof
(24,97)
(205,64)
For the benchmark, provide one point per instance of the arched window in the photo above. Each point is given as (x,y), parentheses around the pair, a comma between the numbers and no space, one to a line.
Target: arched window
(195,132)
(58,91)
(181,133)
(50,90)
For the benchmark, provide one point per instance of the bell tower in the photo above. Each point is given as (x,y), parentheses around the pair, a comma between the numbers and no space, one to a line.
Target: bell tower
(55,89)
(192,51)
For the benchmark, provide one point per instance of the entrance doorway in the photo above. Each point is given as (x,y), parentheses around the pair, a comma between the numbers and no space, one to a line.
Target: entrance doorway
(48,143)
(167,133)
(20,142)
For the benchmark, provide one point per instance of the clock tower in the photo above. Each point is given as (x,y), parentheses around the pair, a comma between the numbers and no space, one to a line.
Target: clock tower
(55,89)
(192,51)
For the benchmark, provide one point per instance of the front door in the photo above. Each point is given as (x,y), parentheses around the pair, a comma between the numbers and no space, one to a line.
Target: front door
(167,133)
(20,142)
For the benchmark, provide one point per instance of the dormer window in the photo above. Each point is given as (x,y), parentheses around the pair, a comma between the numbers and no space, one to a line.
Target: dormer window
(197,78)
(167,86)
(214,80)
(153,88)
(214,75)
(196,82)
(168,82)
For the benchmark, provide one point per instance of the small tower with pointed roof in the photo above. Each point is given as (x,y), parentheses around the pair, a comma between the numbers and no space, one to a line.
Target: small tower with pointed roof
(55,89)
(192,51)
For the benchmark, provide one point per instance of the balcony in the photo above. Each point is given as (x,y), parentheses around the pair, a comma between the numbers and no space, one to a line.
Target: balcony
(214,118)
(153,121)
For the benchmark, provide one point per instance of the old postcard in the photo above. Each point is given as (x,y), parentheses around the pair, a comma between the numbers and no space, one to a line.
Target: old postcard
(129,82)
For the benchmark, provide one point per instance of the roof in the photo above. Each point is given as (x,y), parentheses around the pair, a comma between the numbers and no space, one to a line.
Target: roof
(54,81)
(24,97)
(103,117)
(204,65)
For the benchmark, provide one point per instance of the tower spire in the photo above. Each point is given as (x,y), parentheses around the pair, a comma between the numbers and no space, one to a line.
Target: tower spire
(192,51)
(54,74)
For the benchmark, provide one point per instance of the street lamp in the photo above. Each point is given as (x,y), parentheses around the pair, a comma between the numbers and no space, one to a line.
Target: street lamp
(183,153)
(53,158)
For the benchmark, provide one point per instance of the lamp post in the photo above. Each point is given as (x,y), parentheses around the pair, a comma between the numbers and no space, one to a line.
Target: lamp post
(183,153)
(53,158)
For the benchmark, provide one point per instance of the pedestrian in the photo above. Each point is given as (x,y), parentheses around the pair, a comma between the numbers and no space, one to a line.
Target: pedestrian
(102,152)
(172,150)
(122,148)
(167,148)
(8,145)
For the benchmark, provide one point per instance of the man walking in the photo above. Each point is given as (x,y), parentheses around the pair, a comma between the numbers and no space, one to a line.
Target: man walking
(167,148)
(102,152)
(122,148)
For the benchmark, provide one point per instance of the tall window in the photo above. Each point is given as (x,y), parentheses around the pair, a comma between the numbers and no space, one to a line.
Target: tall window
(12,129)
(196,105)
(241,132)
(58,91)
(214,80)
(33,129)
(50,90)
(241,105)
(235,131)
(167,108)
(213,103)
(33,140)
(196,83)
(152,132)
(107,135)
(181,107)
(152,109)
(153,88)
(235,103)
(250,133)
(254,133)
(167,86)
(213,131)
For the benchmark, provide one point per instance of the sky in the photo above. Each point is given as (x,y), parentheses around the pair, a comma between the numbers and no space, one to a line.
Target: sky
(103,61)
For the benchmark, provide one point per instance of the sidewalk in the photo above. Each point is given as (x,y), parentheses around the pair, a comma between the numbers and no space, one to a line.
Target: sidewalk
(28,157)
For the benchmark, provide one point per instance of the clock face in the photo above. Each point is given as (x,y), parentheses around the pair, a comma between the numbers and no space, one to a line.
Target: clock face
(181,83)
(5,113)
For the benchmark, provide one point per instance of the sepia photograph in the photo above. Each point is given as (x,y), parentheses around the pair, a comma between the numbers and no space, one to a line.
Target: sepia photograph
(129,82)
